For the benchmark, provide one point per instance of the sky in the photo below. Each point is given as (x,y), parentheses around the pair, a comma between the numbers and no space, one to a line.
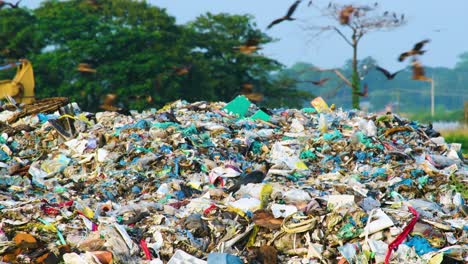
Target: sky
(443,22)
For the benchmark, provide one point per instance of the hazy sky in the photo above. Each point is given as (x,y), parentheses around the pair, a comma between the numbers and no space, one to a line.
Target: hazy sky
(444,22)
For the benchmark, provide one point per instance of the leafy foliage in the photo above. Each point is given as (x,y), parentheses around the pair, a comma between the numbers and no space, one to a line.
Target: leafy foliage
(136,50)
(19,35)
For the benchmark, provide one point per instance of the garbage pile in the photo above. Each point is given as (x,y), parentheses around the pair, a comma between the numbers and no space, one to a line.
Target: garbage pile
(230,183)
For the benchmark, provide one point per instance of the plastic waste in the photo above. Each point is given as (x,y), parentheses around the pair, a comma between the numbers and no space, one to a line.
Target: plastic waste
(181,257)
(223,258)
(246,204)
(281,210)
(153,187)
(320,105)
(238,106)
(378,221)
(335,201)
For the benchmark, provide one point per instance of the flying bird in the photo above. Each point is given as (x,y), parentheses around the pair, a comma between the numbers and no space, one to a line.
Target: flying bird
(85,67)
(247,91)
(3,3)
(310,3)
(418,72)
(415,51)
(365,91)
(320,82)
(387,74)
(345,14)
(108,103)
(182,70)
(254,97)
(288,15)
(249,46)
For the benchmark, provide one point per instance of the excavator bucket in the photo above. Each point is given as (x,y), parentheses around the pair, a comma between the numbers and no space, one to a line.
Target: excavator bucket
(21,88)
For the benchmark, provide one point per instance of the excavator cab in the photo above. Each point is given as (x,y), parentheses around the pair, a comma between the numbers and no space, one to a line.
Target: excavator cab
(21,87)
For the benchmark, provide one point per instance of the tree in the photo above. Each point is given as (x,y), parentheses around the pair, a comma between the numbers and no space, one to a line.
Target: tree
(463,61)
(129,43)
(352,23)
(18,34)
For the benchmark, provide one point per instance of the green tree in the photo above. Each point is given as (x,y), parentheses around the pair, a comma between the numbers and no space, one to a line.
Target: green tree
(463,61)
(130,44)
(19,35)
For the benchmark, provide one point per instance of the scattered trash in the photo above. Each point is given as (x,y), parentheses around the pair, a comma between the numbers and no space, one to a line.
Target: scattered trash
(228,183)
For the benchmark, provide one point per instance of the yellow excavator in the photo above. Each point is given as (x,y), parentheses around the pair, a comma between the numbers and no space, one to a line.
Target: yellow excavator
(19,92)
(21,87)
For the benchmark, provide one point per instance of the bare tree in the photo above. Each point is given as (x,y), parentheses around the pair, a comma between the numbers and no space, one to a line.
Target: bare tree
(352,23)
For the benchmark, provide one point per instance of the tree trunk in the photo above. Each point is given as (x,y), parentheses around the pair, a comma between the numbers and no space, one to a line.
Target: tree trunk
(355,78)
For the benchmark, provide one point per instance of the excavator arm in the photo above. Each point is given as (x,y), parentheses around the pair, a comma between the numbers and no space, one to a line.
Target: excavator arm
(21,88)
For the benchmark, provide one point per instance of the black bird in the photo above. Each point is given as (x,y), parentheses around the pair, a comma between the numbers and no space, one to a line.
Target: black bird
(365,91)
(14,5)
(288,15)
(320,82)
(415,51)
(387,74)
(430,132)
(256,176)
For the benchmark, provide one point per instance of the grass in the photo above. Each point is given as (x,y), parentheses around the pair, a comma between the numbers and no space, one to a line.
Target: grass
(440,115)
(457,136)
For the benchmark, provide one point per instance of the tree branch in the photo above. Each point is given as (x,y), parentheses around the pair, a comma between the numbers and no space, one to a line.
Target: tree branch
(343,36)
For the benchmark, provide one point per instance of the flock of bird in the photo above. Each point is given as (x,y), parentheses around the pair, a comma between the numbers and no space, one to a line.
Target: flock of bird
(345,15)
(418,70)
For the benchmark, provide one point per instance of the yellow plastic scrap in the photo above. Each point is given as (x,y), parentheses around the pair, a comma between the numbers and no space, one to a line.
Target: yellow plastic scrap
(165,108)
(88,212)
(394,130)
(253,236)
(265,193)
(437,259)
(51,227)
(195,185)
(81,117)
(301,166)
(323,124)
(320,105)
(237,211)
